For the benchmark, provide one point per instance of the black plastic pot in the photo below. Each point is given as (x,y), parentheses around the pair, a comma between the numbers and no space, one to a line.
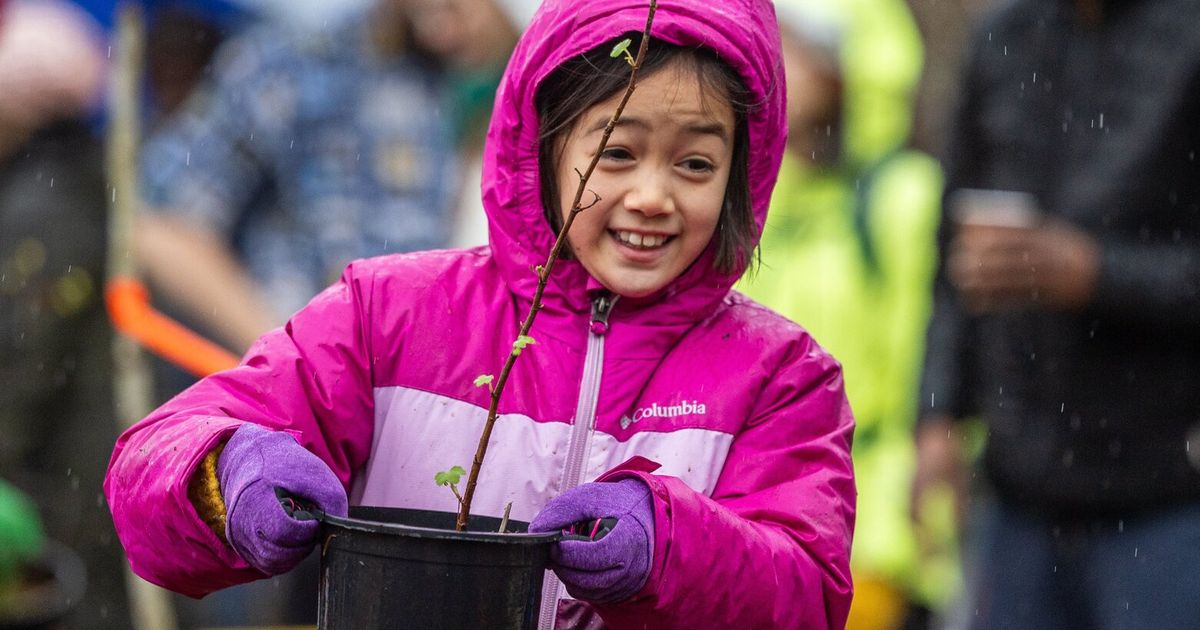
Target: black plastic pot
(396,568)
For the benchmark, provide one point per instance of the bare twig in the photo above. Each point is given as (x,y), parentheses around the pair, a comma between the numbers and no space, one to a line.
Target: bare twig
(544,275)
(504,521)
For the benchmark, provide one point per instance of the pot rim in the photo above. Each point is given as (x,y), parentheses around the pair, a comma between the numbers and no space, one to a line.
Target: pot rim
(398,529)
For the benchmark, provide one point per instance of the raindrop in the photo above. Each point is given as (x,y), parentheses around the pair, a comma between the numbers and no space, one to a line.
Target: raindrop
(1121,527)
(52,182)
(1135,551)
(1101,120)
(188,160)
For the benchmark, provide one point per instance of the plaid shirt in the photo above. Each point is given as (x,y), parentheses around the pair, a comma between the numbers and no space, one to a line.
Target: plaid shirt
(308,152)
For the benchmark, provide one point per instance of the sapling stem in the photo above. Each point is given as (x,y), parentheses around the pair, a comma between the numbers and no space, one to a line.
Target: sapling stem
(543,272)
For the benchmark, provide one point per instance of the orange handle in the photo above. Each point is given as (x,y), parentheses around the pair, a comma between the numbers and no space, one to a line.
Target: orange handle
(131,314)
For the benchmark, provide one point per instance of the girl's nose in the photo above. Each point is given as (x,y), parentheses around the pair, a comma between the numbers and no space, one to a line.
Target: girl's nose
(649,195)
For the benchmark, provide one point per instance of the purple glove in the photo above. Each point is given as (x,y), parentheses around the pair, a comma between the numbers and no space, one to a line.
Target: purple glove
(254,463)
(615,567)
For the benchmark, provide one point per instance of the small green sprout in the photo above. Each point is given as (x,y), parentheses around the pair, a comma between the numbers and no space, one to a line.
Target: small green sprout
(484,379)
(521,342)
(622,48)
(450,478)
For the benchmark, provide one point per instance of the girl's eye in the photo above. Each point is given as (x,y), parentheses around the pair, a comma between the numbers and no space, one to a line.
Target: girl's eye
(698,165)
(616,154)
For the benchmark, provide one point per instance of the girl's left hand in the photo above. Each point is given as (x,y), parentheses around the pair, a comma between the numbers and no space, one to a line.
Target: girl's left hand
(615,567)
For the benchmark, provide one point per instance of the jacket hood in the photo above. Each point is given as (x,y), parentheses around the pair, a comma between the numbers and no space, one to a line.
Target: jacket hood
(742,32)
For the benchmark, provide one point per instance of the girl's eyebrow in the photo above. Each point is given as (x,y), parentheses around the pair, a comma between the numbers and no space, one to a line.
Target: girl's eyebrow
(705,128)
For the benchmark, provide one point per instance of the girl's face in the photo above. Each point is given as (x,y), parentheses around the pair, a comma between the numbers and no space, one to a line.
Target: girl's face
(661,182)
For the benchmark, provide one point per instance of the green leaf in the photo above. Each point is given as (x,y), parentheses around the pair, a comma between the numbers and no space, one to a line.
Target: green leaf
(521,342)
(620,48)
(449,477)
(484,379)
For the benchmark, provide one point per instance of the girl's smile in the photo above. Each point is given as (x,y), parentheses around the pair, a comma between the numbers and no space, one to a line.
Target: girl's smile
(661,182)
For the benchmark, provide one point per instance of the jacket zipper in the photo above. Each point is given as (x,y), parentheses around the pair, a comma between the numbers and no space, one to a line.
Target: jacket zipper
(582,428)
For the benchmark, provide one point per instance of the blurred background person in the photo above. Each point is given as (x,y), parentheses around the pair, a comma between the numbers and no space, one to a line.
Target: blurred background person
(309,148)
(848,252)
(56,415)
(1066,311)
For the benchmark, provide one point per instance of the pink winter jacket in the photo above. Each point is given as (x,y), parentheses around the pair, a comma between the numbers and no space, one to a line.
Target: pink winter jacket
(754,502)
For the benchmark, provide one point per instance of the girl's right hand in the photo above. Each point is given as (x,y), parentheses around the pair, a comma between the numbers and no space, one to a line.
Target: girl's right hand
(255,464)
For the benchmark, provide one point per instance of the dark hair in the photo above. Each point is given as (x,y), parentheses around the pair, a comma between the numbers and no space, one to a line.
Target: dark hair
(583,81)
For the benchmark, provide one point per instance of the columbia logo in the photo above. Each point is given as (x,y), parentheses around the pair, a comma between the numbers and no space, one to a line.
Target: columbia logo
(685,408)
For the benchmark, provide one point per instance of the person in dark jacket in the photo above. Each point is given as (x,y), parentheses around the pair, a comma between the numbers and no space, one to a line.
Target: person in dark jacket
(1066,312)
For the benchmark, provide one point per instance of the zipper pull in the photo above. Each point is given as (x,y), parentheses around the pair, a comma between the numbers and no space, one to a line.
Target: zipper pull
(602,306)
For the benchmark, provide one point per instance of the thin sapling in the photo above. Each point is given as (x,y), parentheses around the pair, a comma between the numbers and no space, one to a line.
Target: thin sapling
(495,384)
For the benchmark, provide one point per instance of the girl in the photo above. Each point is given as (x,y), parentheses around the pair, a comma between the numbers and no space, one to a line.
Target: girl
(642,350)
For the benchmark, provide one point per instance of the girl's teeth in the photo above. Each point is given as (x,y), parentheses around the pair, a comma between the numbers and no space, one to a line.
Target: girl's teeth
(646,241)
